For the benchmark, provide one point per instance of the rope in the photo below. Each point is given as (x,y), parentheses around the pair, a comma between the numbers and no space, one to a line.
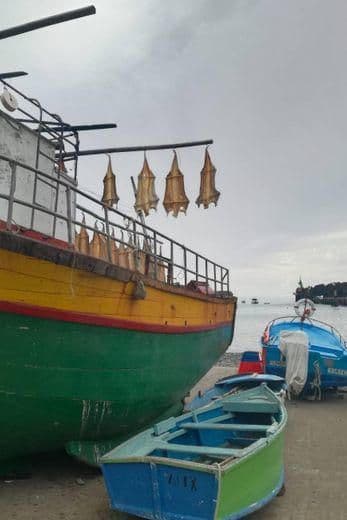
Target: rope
(317,380)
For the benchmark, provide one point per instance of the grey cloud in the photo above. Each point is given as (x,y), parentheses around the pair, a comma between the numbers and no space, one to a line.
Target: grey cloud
(265,79)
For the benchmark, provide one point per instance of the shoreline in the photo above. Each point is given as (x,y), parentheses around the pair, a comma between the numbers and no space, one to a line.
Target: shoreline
(229,359)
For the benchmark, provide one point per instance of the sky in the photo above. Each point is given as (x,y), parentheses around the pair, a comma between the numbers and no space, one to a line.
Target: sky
(265,79)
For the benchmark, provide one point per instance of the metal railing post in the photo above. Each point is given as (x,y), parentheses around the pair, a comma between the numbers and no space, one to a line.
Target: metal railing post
(185,265)
(37,159)
(13,168)
(215,278)
(206,274)
(134,233)
(69,218)
(170,271)
(108,234)
(155,255)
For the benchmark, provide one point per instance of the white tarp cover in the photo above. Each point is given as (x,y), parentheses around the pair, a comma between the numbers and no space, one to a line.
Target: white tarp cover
(294,347)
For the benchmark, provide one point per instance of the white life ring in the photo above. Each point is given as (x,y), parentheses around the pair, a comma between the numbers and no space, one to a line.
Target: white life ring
(8,100)
(304,308)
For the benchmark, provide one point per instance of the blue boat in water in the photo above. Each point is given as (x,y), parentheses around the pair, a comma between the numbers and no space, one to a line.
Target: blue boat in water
(310,354)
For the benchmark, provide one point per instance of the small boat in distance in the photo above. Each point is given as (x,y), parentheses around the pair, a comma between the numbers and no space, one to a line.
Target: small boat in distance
(221,461)
(254,300)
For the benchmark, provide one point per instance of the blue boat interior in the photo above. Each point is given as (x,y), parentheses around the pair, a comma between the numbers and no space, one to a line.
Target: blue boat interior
(227,429)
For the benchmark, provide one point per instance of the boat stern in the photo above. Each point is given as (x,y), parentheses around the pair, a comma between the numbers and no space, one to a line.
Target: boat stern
(161,491)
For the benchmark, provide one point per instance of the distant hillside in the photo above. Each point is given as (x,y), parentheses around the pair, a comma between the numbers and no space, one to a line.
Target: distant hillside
(331,293)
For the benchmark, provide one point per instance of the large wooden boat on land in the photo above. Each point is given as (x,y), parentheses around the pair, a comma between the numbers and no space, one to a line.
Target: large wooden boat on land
(93,348)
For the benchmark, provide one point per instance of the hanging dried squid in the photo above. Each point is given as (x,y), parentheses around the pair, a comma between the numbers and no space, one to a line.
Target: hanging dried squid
(110,197)
(208,193)
(146,197)
(175,198)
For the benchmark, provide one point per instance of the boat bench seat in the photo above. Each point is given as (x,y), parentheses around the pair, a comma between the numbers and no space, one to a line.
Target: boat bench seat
(197,450)
(229,427)
(171,423)
(257,406)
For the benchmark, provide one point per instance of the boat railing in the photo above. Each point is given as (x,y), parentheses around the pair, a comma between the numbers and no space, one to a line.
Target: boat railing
(327,326)
(123,240)
(46,125)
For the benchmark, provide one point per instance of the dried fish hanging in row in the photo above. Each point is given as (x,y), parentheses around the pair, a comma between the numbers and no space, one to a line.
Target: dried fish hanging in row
(97,246)
(161,269)
(114,249)
(110,197)
(208,192)
(129,256)
(146,198)
(83,239)
(140,258)
(175,198)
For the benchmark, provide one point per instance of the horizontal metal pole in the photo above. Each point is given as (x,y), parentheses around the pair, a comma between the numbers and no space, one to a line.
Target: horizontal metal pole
(32,120)
(46,22)
(79,128)
(99,151)
(16,74)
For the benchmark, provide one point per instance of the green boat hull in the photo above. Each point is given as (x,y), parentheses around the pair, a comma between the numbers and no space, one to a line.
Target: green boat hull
(257,478)
(70,384)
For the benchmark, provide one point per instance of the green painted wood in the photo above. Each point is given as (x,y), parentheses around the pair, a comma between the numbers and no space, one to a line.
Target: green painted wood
(250,479)
(62,382)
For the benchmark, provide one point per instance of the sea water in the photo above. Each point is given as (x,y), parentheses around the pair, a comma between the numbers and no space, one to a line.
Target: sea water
(251,321)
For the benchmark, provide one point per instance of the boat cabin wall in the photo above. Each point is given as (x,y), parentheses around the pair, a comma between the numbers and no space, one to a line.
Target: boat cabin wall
(21,143)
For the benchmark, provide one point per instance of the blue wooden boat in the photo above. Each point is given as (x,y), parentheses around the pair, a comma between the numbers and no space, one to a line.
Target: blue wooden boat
(222,461)
(327,353)
(236,383)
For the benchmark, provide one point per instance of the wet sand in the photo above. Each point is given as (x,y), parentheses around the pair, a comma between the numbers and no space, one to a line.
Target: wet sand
(316,476)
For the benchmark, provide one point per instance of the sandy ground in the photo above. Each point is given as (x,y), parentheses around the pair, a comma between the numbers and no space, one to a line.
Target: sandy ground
(316,475)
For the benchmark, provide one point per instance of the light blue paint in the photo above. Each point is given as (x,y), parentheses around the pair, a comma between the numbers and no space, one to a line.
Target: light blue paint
(242,382)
